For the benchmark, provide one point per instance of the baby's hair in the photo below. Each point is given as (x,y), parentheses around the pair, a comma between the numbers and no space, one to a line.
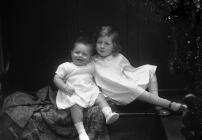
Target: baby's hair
(110,32)
(86,41)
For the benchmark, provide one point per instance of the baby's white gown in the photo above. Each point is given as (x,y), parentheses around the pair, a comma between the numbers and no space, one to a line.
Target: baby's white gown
(119,80)
(81,78)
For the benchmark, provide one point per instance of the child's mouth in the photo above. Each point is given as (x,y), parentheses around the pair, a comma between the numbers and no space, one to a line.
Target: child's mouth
(102,51)
(79,60)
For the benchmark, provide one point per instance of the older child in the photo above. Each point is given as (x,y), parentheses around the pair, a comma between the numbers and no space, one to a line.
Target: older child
(121,82)
(77,89)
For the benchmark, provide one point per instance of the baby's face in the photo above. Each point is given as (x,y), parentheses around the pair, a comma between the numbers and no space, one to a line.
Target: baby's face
(104,46)
(81,54)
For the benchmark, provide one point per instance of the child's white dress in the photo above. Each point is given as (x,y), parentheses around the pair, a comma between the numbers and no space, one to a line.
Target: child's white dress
(119,80)
(81,78)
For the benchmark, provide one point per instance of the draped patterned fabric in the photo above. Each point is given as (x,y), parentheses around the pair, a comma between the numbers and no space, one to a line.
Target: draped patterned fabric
(37,118)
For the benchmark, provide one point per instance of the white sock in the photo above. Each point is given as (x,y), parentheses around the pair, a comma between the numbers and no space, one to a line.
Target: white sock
(154,99)
(83,136)
(81,131)
(106,111)
(79,127)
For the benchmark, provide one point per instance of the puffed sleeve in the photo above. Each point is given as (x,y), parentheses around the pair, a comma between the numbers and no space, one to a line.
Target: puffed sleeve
(125,64)
(63,69)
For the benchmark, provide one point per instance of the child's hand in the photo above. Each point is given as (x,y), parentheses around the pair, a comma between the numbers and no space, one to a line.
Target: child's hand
(70,91)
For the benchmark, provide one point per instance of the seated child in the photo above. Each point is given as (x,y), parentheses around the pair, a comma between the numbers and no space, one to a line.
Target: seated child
(77,89)
(119,80)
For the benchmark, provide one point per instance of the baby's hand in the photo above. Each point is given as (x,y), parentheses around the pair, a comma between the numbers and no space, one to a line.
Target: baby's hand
(70,91)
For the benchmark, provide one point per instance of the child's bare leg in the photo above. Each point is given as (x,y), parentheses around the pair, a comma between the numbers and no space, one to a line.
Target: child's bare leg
(110,116)
(77,117)
(153,89)
(156,100)
(153,85)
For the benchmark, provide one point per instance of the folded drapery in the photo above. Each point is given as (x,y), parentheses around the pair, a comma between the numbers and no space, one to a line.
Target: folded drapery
(37,117)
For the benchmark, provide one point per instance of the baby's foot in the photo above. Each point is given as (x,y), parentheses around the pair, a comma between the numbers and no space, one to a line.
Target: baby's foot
(112,117)
(83,136)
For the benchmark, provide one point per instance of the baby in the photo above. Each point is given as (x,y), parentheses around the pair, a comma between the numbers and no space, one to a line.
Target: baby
(77,89)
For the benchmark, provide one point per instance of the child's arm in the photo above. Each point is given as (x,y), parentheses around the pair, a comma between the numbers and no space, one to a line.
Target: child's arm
(125,64)
(59,82)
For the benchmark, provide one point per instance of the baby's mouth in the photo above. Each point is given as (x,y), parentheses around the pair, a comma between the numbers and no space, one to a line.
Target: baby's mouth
(79,60)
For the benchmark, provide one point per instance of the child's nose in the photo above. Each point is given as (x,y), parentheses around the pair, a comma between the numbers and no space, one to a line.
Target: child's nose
(80,54)
(102,45)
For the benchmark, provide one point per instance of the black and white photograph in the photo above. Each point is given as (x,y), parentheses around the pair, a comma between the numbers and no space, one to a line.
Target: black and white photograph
(101,70)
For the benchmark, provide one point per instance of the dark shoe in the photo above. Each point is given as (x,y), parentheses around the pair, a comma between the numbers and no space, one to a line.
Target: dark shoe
(180,111)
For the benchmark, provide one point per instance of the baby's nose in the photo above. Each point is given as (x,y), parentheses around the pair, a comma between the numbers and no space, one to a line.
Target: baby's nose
(80,55)
(102,45)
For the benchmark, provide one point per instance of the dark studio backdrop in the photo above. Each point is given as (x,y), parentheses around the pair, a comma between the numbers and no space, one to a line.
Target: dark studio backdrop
(36,36)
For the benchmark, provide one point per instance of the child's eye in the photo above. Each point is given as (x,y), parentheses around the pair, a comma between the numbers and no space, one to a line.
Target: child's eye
(99,42)
(107,43)
(84,54)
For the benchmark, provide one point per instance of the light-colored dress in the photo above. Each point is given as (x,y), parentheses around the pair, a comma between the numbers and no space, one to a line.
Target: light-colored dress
(119,80)
(81,78)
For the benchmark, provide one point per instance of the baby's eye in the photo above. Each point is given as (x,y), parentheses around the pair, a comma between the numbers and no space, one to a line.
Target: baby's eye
(84,54)
(99,42)
(77,52)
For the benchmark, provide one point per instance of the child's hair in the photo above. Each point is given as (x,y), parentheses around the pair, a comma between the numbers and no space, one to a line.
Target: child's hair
(110,32)
(86,41)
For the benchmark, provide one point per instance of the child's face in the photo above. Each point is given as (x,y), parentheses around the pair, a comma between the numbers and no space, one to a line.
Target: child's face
(104,46)
(81,54)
